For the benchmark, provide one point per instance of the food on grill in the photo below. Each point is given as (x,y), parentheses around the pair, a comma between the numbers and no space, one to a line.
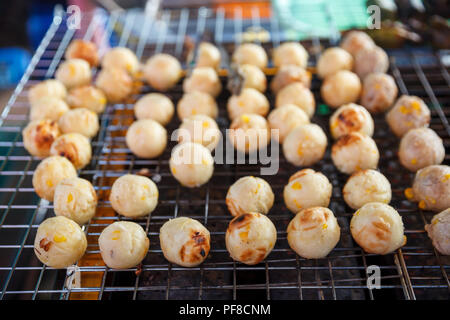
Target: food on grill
(250,53)
(290,53)
(296,93)
(370,60)
(377,228)
(341,88)
(250,238)
(162,71)
(49,173)
(307,188)
(439,231)
(285,119)
(431,188)
(81,49)
(203,79)
(366,186)
(191,164)
(419,148)
(74,73)
(88,97)
(59,242)
(80,120)
(208,56)
(146,138)
(351,118)
(184,241)
(39,135)
(249,194)
(48,88)
(313,232)
(305,145)
(123,245)
(75,198)
(134,196)
(48,108)
(354,41)
(75,147)
(116,83)
(248,101)
(409,112)
(122,58)
(333,60)
(288,74)
(253,77)
(249,132)
(379,92)
(197,103)
(200,129)
(155,106)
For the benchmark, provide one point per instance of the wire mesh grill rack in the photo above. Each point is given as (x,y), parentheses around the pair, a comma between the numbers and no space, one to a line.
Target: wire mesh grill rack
(416,271)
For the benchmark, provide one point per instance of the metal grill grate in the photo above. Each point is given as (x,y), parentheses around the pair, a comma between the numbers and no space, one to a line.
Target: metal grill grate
(415,271)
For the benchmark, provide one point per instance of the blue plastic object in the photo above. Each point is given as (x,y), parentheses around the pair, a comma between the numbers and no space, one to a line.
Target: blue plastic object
(13,63)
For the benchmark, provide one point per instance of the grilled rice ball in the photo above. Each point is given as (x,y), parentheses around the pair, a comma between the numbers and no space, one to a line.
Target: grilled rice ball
(377,228)
(116,84)
(370,60)
(208,56)
(354,41)
(249,133)
(59,242)
(290,53)
(200,129)
(123,244)
(249,194)
(146,138)
(288,74)
(341,88)
(75,198)
(250,53)
(305,145)
(74,73)
(88,97)
(351,118)
(419,148)
(75,147)
(81,120)
(366,186)
(409,112)
(134,196)
(48,88)
(39,135)
(248,101)
(197,103)
(379,92)
(48,108)
(333,60)
(285,119)
(253,77)
(203,79)
(82,49)
(155,106)
(49,173)
(296,93)
(250,238)
(122,58)
(191,164)
(431,188)
(184,241)
(162,71)
(439,231)
(353,152)
(313,232)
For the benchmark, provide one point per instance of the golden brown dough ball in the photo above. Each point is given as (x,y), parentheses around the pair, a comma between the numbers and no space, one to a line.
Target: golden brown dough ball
(341,88)
(420,148)
(200,129)
(351,118)
(48,88)
(253,76)
(296,93)
(197,103)
(162,71)
(122,58)
(438,231)
(48,108)
(354,41)
(203,79)
(288,74)
(249,132)
(39,135)
(74,73)
(248,101)
(285,119)
(85,50)
(290,53)
(155,106)
(116,83)
(75,147)
(88,97)
(146,138)
(371,60)
(250,53)
(79,120)
(379,92)
(409,112)
(333,60)
(208,56)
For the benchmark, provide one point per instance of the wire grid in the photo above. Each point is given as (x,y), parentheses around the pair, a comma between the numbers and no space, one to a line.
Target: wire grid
(415,271)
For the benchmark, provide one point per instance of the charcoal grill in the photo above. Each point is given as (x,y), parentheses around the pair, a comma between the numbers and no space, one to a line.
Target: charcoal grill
(416,271)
